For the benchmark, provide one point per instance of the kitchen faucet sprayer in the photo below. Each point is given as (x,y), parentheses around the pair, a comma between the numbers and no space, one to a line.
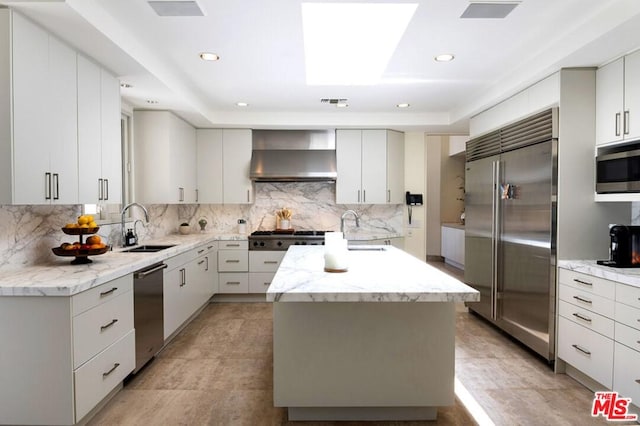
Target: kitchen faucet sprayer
(124,210)
(345,215)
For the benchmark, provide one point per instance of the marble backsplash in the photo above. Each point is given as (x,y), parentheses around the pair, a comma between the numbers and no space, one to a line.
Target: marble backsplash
(27,233)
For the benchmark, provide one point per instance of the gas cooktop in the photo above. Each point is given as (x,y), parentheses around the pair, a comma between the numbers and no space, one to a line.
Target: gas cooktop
(282,239)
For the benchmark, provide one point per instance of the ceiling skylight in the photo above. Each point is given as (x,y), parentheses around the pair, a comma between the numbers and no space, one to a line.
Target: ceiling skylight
(351,43)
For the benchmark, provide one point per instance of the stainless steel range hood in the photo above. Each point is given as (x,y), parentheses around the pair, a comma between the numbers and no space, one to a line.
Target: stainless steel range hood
(293,155)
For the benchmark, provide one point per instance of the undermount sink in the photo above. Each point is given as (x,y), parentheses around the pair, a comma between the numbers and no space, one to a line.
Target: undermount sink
(148,248)
(367,248)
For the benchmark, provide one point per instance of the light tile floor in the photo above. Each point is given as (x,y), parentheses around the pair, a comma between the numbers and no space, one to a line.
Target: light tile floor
(218,371)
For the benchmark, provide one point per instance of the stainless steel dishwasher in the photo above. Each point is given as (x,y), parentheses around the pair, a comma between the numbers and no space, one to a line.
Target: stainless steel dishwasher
(148,317)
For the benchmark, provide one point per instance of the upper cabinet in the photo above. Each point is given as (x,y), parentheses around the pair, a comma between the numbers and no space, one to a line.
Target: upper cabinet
(224,157)
(59,120)
(99,141)
(236,161)
(165,158)
(618,100)
(370,167)
(39,72)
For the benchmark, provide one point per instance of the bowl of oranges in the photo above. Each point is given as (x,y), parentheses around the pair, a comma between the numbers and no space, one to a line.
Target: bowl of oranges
(81,249)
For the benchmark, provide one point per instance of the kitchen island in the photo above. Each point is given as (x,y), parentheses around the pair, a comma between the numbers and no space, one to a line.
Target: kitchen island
(373,343)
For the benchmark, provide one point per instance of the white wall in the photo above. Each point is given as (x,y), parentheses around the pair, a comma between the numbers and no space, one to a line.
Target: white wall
(415,182)
(433,160)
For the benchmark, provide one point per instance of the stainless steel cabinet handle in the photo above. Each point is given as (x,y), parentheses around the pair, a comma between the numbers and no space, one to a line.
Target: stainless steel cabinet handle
(201,251)
(106,189)
(617,124)
(100,196)
(625,121)
(206,268)
(358,195)
(638,381)
(209,247)
(201,262)
(104,327)
(47,186)
(233,282)
(248,196)
(583,318)
(364,195)
(56,179)
(232,245)
(180,194)
(108,292)
(232,260)
(584,351)
(197,195)
(581,299)
(270,262)
(267,284)
(583,282)
(388,195)
(116,365)
(183,272)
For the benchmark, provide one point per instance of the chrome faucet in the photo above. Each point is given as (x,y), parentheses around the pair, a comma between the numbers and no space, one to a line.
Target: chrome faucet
(344,215)
(124,210)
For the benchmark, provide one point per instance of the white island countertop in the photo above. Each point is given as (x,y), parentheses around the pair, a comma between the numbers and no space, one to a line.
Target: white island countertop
(387,275)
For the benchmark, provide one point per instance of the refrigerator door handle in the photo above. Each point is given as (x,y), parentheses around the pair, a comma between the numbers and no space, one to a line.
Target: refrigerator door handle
(495,205)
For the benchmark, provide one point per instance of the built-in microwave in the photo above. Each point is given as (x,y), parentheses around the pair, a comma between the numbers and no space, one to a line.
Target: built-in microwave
(618,170)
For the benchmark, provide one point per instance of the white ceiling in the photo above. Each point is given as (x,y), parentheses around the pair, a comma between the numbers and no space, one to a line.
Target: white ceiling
(262,58)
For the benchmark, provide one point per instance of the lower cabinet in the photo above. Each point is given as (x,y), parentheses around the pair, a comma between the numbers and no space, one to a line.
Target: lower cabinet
(262,268)
(452,246)
(66,353)
(189,282)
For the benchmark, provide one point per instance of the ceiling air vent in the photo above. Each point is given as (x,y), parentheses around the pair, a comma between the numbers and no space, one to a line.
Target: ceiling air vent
(489,9)
(176,8)
(334,101)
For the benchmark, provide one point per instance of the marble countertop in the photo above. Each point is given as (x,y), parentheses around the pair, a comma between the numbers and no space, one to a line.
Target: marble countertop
(389,275)
(60,278)
(630,276)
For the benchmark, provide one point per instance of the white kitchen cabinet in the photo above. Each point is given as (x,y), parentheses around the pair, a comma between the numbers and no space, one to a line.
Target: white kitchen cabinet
(233,266)
(370,167)
(262,268)
(67,353)
(165,158)
(209,181)
(617,100)
(44,115)
(236,161)
(452,246)
(99,142)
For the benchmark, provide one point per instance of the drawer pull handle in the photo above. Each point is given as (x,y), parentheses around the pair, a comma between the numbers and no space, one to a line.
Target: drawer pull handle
(584,351)
(108,292)
(201,262)
(104,327)
(116,365)
(270,262)
(232,245)
(233,282)
(201,251)
(267,283)
(232,261)
(581,299)
(583,282)
(638,381)
(583,318)
(209,247)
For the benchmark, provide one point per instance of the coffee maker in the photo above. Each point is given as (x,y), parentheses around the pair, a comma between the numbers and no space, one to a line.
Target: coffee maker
(624,248)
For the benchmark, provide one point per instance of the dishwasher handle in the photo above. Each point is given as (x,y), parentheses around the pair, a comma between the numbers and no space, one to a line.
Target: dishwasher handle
(142,274)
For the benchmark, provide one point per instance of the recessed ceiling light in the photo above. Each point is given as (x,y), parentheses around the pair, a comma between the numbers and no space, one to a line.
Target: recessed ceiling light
(152,101)
(208,56)
(242,104)
(126,85)
(404,105)
(445,57)
(351,43)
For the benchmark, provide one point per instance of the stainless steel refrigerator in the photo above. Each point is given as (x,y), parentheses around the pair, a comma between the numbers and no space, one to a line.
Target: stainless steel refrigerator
(510,208)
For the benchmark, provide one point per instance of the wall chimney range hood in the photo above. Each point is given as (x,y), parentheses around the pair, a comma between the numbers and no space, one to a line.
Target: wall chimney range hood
(293,156)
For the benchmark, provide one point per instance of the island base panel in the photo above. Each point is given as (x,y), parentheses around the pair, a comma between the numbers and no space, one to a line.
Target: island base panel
(363,355)
(361,414)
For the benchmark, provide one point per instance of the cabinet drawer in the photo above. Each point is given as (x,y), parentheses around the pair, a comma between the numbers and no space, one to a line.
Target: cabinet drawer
(588,283)
(231,282)
(587,300)
(628,295)
(181,259)
(628,336)
(586,350)
(95,379)
(626,376)
(233,261)
(628,315)
(101,294)
(586,318)
(259,282)
(99,327)
(233,245)
(265,261)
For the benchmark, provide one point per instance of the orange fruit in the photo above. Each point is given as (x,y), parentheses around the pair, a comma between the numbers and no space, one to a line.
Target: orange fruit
(94,239)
